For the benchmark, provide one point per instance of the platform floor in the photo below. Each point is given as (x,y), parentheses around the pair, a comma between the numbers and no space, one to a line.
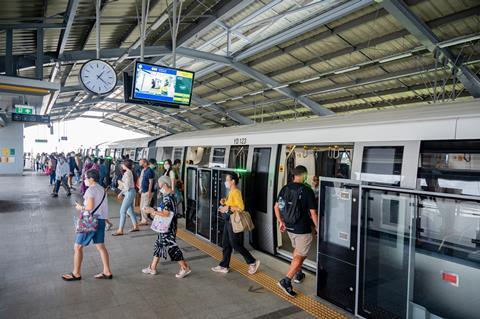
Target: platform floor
(36,236)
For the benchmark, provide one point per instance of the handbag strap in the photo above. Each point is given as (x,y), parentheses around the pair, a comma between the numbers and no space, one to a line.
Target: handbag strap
(101,202)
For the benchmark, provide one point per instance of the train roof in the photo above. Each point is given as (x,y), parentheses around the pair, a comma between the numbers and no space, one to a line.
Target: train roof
(130,143)
(437,121)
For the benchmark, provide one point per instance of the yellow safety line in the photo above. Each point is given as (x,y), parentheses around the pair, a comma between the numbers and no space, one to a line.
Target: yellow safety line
(302,301)
(22,88)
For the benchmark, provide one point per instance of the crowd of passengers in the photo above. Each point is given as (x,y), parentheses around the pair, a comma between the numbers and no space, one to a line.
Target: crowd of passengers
(161,197)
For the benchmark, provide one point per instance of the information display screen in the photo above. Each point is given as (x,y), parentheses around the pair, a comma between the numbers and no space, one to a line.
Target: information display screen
(162,84)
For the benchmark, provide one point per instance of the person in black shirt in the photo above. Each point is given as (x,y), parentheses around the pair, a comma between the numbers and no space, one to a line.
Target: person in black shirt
(296,213)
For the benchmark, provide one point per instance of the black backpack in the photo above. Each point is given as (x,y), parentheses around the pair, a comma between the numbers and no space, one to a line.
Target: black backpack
(292,211)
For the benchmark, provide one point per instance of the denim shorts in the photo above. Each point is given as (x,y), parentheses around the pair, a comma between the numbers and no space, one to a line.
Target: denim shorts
(98,236)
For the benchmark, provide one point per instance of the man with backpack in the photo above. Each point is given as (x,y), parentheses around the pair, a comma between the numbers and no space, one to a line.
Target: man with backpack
(296,213)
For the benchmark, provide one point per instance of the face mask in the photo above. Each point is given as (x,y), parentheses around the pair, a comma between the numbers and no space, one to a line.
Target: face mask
(167,167)
(87,182)
(227,185)
(152,166)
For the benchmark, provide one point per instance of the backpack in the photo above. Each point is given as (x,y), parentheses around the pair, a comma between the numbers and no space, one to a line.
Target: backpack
(292,205)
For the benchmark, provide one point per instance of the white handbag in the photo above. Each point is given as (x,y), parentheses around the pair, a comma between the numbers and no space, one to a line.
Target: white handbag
(161,224)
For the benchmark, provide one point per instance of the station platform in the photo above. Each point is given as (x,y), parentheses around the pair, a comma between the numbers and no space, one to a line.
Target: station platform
(36,232)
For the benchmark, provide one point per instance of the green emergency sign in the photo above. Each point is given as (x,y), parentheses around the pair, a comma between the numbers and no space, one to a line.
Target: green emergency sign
(24,109)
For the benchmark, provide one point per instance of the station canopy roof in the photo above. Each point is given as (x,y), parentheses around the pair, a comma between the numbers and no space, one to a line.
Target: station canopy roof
(255,60)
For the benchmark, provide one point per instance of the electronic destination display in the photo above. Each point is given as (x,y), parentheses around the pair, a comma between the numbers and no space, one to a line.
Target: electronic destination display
(162,84)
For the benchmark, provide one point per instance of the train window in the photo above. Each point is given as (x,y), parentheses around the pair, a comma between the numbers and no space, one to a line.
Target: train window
(198,155)
(167,153)
(218,157)
(382,164)
(138,153)
(238,157)
(177,153)
(450,167)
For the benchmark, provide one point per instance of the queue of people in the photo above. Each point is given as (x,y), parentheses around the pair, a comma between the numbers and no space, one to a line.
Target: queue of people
(295,211)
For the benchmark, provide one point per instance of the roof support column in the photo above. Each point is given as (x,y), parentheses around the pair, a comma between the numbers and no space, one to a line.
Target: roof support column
(9,52)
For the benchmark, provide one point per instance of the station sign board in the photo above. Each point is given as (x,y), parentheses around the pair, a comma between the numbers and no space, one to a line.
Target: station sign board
(30,118)
(23,109)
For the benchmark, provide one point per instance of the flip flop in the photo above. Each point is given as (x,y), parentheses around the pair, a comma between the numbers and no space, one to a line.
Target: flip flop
(117,234)
(73,278)
(133,230)
(103,276)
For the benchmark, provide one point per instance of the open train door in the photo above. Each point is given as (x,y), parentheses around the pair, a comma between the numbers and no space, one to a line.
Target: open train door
(260,185)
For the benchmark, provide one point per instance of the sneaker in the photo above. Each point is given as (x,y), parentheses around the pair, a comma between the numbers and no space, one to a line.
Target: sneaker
(69,194)
(220,269)
(54,195)
(149,271)
(184,272)
(299,277)
(286,287)
(252,268)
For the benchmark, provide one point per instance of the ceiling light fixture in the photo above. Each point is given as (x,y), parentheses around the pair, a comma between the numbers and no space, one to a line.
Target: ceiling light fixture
(395,57)
(310,80)
(353,68)
(458,40)
(281,86)
(256,93)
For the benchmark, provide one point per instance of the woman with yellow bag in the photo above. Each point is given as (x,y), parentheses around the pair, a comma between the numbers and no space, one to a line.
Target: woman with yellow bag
(231,240)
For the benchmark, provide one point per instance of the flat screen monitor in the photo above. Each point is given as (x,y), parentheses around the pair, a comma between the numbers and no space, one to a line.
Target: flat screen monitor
(127,94)
(162,84)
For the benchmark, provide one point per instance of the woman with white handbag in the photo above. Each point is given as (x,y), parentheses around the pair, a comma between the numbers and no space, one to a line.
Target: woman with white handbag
(165,224)
(232,240)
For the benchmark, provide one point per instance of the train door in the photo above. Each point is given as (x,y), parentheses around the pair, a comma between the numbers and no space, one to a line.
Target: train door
(337,241)
(261,165)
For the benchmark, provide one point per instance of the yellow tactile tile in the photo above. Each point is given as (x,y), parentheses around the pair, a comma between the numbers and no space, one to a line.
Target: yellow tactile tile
(302,301)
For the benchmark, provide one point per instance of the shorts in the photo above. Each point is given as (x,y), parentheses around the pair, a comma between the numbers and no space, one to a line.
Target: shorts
(301,243)
(98,236)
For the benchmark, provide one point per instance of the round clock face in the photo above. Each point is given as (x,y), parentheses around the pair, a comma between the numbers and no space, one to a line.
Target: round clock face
(98,77)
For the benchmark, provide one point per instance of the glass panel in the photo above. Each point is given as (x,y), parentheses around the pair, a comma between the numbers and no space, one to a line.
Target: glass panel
(384,262)
(167,153)
(382,164)
(159,154)
(447,257)
(337,220)
(260,168)
(204,198)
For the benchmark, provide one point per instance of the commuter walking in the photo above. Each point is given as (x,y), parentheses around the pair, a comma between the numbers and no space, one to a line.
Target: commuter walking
(233,203)
(87,165)
(166,241)
(72,166)
(153,167)
(52,164)
(127,187)
(146,190)
(102,169)
(95,202)
(61,174)
(296,213)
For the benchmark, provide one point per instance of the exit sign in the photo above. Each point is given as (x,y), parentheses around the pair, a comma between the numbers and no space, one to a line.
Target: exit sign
(23,109)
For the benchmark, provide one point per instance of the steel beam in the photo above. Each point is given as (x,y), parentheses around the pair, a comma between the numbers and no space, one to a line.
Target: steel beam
(123,125)
(69,17)
(271,83)
(233,115)
(302,28)
(424,34)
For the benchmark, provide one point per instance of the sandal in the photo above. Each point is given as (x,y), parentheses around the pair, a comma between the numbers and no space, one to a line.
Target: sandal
(117,234)
(72,277)
(133,230)
(103,276)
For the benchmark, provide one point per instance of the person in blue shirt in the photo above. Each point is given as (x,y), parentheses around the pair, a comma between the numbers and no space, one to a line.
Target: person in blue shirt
(146,190)
(103,172)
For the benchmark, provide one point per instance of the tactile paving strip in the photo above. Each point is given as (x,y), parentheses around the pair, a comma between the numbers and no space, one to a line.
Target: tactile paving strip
(302,301)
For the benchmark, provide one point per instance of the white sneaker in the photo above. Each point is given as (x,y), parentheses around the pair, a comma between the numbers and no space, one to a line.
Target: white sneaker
(149,271)
(252,268)
(184,272)
(220,269)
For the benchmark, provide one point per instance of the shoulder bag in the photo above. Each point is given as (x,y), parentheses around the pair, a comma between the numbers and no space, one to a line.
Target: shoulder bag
(88,222)
(241,221)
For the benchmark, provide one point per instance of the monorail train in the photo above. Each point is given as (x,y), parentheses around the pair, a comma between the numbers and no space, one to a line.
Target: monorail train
(399,201)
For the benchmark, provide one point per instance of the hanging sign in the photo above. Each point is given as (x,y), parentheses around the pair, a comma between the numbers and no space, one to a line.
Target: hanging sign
(63,138)
(41,141)
(23,109)
(31,118)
